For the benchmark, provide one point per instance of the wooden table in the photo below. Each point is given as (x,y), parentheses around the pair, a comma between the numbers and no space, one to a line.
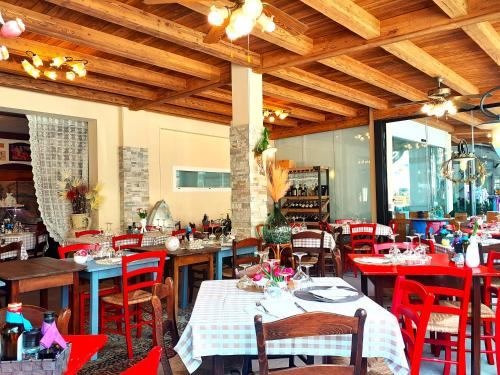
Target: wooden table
(389,272)
(41,274)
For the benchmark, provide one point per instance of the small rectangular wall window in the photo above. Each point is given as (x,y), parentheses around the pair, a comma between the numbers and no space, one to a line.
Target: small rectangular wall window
(201,179)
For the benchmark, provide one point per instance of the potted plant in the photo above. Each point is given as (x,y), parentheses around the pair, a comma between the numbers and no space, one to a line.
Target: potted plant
(277,229)
(143,214)
(82,197)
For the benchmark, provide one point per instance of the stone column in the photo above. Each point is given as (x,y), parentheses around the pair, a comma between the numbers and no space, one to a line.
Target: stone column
(248,186)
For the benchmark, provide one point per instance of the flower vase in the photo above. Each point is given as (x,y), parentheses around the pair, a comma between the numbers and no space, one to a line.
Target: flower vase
(276,229)
(472,257)
(144,222)
(273,292)
(80,222)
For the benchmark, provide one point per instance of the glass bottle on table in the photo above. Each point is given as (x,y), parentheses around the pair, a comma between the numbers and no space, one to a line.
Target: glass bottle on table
(12,333)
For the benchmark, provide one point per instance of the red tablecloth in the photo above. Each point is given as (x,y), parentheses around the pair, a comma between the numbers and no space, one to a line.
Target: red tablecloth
(83,347)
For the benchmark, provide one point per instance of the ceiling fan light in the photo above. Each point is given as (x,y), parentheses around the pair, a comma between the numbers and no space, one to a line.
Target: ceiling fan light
(231,32)
(58,61)
(50,74)
(217,16)
(242,23)
(495,137)
(37,61)
(4,53)
(266,23)
(70,76)
(283,116)
(271,118)
(252,8)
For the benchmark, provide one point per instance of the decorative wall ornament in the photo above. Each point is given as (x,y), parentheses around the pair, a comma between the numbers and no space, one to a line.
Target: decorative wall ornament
(471,169)
(10,29)
(60,65)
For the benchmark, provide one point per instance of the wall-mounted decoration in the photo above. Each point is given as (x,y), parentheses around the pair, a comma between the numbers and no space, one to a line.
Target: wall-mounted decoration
(19,151)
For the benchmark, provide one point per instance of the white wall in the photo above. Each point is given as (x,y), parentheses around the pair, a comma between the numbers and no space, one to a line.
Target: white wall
(111,126)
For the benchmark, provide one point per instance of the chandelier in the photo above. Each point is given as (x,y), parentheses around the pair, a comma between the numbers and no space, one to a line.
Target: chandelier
(67,66)
(272,115)
(439,108)
(464,159)
(242,18)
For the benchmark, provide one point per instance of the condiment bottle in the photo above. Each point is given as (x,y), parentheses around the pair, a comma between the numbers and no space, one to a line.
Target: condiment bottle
(49,328)
(31,344)
(12,332)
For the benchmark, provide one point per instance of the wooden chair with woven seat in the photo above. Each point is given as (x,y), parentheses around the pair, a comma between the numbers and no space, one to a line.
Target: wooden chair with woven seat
(14,250)
(308,325)
(411,305)
(134,293)
(163,301)
(84,292)
(447,319)
(41,241)
(239,259)
(333,259)
(89,232)
(35,315)
(126,240)
(363,238)
(318,253)
(492,216)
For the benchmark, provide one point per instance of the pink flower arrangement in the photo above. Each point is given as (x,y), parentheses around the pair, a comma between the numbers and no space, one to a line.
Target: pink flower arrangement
(273,275)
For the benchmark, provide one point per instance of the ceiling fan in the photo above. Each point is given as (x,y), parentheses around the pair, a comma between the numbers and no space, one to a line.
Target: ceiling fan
(440,101)
(238,18)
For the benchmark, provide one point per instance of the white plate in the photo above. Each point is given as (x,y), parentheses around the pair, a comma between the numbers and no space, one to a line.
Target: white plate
(372,260)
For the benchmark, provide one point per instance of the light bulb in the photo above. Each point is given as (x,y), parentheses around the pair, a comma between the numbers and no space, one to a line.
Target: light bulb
(4,53)
(70,76)
(270,26)
(266,23)
(37,61)
(30,69)
(463,165)
(217,16)
(426,108)
(278,112)
(439,111)
(242,23)
(79,69)
(50,74)
(231,32)
(283,115)
(271,118)
(266,113)
(495,137)
(252,8)
(58,61)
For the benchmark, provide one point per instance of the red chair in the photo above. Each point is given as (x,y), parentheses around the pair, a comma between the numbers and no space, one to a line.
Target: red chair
(148,365)
(491,287)
(413,317)
(451,287)
(83,347)
(383,248)
(180,232)
(84,293)
(430,243)
(393,224)
(125,240)
(344,221)
(87,233)
(362,241)
(133,294)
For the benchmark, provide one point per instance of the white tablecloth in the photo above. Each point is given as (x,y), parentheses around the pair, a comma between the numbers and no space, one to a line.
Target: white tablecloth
(382,230)
(222,324)
(27,238)
(149,239)
(328,241)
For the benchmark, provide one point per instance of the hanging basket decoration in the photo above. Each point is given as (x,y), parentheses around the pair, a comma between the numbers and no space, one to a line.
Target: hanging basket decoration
(463,157)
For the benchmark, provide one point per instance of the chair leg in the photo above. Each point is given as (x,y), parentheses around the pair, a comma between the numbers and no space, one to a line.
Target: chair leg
(102,317)
(128,333)
(487,328)
(83,298)
(447,357)
(138,320)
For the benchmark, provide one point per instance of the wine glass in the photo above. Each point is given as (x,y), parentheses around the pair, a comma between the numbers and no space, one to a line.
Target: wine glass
(263,255)
(108,228)
(299,274)
(458,224)
(411,237)
(309,279)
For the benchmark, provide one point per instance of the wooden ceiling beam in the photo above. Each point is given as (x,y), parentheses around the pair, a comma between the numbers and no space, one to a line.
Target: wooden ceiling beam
(58,28)
(288,122)
(421,60)
(311,101)
(217,94)
(204,105)
(96,64)
(194,86)
(315,82)
(404,27)
(299,44)
(321,127)
(348,14)
(79,93)
(437,124)
(453,8)
(135,19)
(366,73)
(486,37)
(466,118)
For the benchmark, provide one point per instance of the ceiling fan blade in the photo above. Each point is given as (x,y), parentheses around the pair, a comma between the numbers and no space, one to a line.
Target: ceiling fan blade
(410,103)
(216,33)
(158,2)
(285,21)
(464,105)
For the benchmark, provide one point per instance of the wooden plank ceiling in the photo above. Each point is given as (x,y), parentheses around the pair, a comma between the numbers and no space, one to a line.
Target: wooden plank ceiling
(355,55)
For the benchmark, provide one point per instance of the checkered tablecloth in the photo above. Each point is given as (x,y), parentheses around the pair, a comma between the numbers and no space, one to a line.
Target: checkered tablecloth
(222,324)
(382,230)
(328,242)
(149,239)
(27,238)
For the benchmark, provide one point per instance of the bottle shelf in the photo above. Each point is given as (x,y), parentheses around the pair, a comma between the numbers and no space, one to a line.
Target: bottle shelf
(306,198)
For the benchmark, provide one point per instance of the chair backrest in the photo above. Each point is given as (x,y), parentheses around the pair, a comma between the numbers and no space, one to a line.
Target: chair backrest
(325,226)
(64,251)
(445,282)
(35,315)
(124,240)
(393,224)
(308,325)
(492,216)
(87,232)
(258,230)
(344,221)
(131,269)
(400,215)
(148,365)
(14,248)
(180,232)
(413,315)
(383,248)
(362,235)
(492,264)
(307,235)
(164,292)
(461,216)
(246,258)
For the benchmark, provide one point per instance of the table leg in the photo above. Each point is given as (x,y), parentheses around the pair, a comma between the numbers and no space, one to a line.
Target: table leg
(94,306)
(218,365)
(75,303)
(44,298)
(218,265)
(64,296)
(184,287)
(364,284)
(211,268)
(14,291)
(476,326)
(176,283)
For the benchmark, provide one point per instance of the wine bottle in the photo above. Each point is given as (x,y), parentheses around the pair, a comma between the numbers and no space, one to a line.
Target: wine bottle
(12,333)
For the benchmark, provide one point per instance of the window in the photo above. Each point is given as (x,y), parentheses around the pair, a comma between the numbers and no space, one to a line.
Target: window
(189,179)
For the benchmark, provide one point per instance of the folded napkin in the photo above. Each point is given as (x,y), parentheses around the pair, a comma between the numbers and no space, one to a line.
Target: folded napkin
(280,307)
(51,335)
(334,293)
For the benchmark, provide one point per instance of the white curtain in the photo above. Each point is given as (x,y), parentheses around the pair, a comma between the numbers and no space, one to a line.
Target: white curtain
(57,145)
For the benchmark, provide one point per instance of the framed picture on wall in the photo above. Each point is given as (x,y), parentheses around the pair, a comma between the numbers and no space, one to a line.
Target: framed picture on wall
(19,152)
